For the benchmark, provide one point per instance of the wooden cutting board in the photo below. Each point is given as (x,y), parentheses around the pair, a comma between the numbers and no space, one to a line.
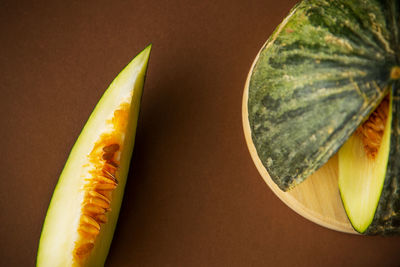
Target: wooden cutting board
(317,198)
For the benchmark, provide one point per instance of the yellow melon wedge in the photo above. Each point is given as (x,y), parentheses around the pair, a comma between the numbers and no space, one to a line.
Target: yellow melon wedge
(84,209)
(361,178)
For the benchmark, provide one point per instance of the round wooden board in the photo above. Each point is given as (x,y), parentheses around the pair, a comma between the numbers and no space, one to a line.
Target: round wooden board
(317,198)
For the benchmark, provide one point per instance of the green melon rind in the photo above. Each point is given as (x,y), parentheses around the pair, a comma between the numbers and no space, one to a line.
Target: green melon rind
(319,75)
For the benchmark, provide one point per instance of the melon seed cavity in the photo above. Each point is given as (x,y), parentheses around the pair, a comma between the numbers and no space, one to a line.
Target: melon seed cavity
(371,131)
(100,185)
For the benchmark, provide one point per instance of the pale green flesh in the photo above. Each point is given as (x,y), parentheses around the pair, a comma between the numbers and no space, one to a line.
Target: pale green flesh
(59,231)
(361,179)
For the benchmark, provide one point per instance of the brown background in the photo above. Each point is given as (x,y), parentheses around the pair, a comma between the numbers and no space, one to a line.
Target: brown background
(194,196)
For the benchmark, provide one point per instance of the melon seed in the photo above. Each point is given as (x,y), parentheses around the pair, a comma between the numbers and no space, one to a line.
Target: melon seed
(89,229)
(111,148)
(111,163)
(104,179)
(89,220)
(105,187)
(108,155)
(84,249)
(98,202)
(105,193)
(88,208)
(101,218)
(109,175)
(98,195)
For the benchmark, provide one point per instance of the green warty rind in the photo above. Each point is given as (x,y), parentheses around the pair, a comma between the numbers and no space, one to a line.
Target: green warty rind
(320,74)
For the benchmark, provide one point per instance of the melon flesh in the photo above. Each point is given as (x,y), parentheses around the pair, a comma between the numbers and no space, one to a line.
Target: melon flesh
(111,127)
(361,178)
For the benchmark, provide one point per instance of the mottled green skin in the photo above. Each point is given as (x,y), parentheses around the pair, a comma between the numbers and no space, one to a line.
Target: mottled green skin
(320,74)
(387,215)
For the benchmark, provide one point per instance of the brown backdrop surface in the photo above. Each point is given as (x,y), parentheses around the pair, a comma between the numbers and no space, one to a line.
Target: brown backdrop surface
(194,197)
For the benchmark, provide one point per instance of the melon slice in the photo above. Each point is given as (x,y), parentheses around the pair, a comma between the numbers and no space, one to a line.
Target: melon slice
(363,162)
(83,212)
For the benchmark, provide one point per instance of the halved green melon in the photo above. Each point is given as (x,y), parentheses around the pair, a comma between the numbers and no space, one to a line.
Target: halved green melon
(321,73)
(318,78)
(84,209)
